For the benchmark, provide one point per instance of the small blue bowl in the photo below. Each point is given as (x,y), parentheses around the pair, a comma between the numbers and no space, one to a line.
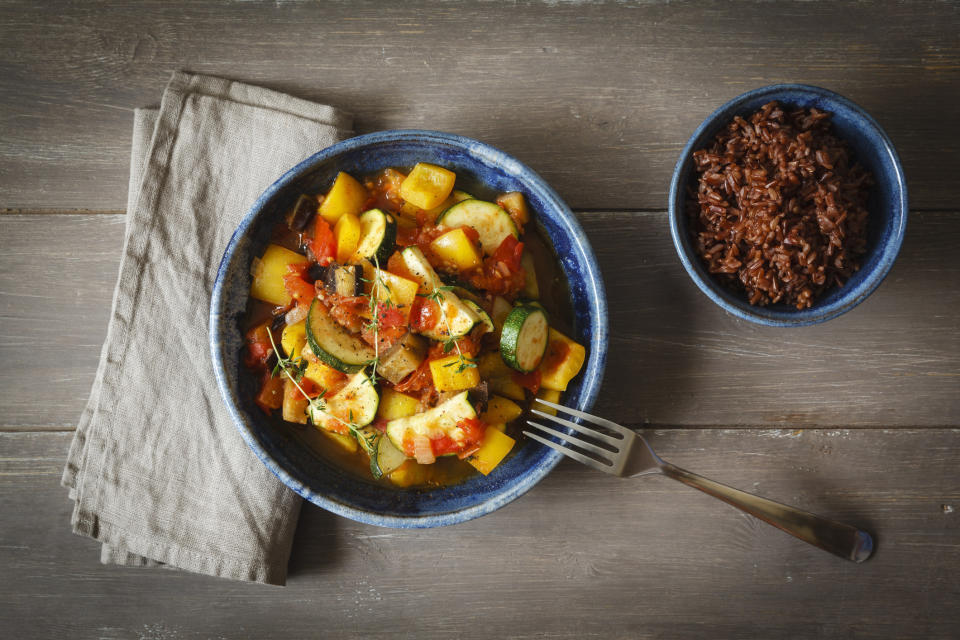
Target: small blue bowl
(887,205)
(477,166)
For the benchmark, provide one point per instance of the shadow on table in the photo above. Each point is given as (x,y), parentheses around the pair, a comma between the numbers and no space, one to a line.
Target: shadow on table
(316,545)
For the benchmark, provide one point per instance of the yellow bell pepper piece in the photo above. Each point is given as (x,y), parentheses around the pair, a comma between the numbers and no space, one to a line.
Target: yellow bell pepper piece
(293,338)
(394,404)
(455,247)
(507,387)
(409,473)
(322,375)
(347,234)
(427,186)
(346,195)
(399,292)
(268,275)
(345,442)
(294,403)
(495,447)
(550,396)
(501,410)
(449,374)
(491,365)
(562,361)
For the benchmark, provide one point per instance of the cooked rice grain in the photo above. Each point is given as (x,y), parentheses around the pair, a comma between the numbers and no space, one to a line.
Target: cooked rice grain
(780,209)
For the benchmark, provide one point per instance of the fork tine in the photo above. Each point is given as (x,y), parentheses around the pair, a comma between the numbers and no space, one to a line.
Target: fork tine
(579,457)
(613,426)
(579,428)
(574,440)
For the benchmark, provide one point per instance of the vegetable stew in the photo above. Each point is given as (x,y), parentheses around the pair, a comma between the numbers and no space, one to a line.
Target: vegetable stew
(403,325)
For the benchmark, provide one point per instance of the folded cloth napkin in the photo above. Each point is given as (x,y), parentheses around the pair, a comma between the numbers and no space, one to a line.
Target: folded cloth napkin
(157,470)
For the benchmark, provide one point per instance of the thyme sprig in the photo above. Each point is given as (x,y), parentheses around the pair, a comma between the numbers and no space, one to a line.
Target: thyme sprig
(377,285)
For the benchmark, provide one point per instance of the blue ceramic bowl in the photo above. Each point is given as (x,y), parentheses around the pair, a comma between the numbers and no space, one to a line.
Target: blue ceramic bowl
(479,167)
(887,205)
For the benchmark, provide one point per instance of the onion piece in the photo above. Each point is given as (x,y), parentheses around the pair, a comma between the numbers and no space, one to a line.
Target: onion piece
(423,450)
(298,313)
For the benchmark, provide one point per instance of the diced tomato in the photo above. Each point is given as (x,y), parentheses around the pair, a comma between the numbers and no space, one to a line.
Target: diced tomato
(424,314)
(258,350)
(421,379)
(443,445)
(501,273)
(473,432)
(529,381)
(509,253)
(271,393)
(323,245)
(384,190)
(380,424)
(311,388)
(297,285)
(346,310)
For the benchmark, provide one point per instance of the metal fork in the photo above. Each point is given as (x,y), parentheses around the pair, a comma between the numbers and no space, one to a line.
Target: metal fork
(624,453)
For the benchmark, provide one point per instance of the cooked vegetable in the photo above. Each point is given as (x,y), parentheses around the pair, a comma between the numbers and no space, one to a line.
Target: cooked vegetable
(491,365)
(550,396)
(345,196)
(456,317)
(389,457)
(347,234)
(492,223)
(501,410)
(268,274)
(294,403)
(561,361)
(516,205)
(427,185)
(344,280)
(524,338)
(391,289)
(355,405)
(508,387)
(302,213)
(403,358)
(455,248)
(293,338)
(346,442)
(485,319)
(444,420)
(495,447)
(378,236)
(394,404)
(454,373)
(332,344)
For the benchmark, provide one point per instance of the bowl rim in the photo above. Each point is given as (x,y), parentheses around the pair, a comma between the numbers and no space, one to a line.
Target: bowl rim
(595,294)
(767,315)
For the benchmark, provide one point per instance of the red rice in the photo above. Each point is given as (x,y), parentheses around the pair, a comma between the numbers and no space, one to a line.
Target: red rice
(780,210)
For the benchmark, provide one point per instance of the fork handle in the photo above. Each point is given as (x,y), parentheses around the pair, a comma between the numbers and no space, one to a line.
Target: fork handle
(840,539)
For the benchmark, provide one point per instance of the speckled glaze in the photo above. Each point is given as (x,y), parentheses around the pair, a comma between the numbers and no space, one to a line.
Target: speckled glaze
(476,164)
(887,205)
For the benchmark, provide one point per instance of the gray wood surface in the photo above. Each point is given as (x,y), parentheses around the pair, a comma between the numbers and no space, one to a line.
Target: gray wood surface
(623,83)
(599,98)
(675,358)
(664,562)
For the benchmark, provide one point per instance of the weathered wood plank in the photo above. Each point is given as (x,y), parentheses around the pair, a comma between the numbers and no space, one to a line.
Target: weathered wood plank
(675,358)
(582,555)
(598,98)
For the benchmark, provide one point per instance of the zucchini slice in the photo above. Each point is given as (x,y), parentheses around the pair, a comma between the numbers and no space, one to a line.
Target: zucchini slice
(524,338)
(434,423)
(460,318)
(485,318)
(354,405)
(333,344)
(378,236)
(492,223)
(389,457)
(384,456)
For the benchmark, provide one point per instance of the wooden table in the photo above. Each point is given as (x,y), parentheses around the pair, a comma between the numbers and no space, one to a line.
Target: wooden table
(855,419)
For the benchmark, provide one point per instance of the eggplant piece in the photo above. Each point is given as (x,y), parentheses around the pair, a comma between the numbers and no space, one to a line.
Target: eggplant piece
(480,396)
(316,272)
(302,213)
(344,280)
(403,358)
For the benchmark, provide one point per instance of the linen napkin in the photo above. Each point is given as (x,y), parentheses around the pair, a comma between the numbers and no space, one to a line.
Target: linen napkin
(157,471)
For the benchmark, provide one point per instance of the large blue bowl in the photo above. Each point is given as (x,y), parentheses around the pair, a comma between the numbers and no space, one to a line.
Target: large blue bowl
(887,206)
(477,166)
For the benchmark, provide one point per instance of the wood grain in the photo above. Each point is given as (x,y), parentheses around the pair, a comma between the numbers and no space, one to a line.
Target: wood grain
(583,555)
(675,358)
(597,97)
